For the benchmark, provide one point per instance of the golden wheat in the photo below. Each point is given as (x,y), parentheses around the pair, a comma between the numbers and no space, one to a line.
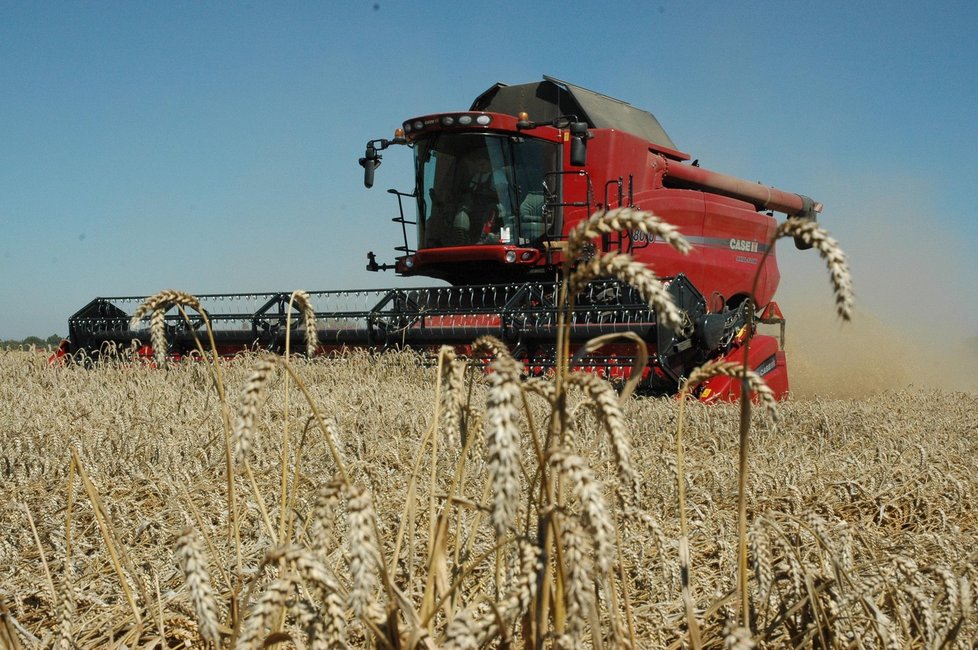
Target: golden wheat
(888,475)
(503,440)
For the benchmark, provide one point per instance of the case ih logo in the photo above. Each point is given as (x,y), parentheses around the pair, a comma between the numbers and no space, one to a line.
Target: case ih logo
(744,245)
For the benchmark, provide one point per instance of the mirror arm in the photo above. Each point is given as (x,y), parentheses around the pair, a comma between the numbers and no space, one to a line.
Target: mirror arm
(371,158)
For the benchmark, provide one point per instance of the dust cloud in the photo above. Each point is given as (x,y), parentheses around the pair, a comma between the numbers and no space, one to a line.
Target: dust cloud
(886,346)
(828,358)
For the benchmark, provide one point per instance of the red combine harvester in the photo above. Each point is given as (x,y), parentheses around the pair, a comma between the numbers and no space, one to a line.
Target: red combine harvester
(497,189)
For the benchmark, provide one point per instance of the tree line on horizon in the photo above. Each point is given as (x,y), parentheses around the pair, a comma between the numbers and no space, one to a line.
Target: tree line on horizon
(36,341)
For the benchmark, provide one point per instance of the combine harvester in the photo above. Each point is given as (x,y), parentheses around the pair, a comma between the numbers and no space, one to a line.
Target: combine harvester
(497,189)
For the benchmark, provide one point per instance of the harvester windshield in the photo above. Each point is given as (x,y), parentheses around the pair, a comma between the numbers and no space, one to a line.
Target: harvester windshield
(479,188)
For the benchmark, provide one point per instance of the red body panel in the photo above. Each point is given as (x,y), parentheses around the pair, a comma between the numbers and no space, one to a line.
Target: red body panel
(764,357)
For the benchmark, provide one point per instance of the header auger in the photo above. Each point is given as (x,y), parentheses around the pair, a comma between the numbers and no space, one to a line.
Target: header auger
(498,187)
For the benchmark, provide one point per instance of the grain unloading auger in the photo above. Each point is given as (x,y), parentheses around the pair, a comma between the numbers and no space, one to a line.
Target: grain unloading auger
(497,189)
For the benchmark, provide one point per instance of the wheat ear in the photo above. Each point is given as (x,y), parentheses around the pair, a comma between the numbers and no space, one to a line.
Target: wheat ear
(364,550)
(595,514)
(302,300)
(503,440)
(190,555)
(637,275)
(489,346)
(322,583)
(517,602)
(605,222)
(252,397)
(461,631)
(605,401)
(755,382)
(164,300)
(577,583)
(811,233)
(264,611)
(324,505)
(452,381)
(157,305)
(762,558)
(65,612)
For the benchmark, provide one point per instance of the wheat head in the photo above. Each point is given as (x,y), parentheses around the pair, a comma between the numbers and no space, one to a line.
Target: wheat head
(606,222)
(302,300)
(252,397)
(190,556)
(637,275)
(755,382)
(835,258)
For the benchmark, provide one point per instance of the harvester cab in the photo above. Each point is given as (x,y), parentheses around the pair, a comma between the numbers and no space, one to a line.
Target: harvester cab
(497,188)
(486,197)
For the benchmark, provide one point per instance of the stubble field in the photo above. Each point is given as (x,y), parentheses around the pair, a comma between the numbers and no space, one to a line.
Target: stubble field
(863,514)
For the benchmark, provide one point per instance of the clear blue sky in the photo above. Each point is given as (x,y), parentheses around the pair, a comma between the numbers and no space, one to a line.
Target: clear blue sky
(212,146)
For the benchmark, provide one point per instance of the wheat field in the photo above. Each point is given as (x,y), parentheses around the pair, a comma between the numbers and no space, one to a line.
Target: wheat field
(371,500)
(887,487)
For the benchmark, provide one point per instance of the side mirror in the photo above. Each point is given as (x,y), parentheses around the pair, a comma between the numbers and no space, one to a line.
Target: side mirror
(369,162)
(579,135)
